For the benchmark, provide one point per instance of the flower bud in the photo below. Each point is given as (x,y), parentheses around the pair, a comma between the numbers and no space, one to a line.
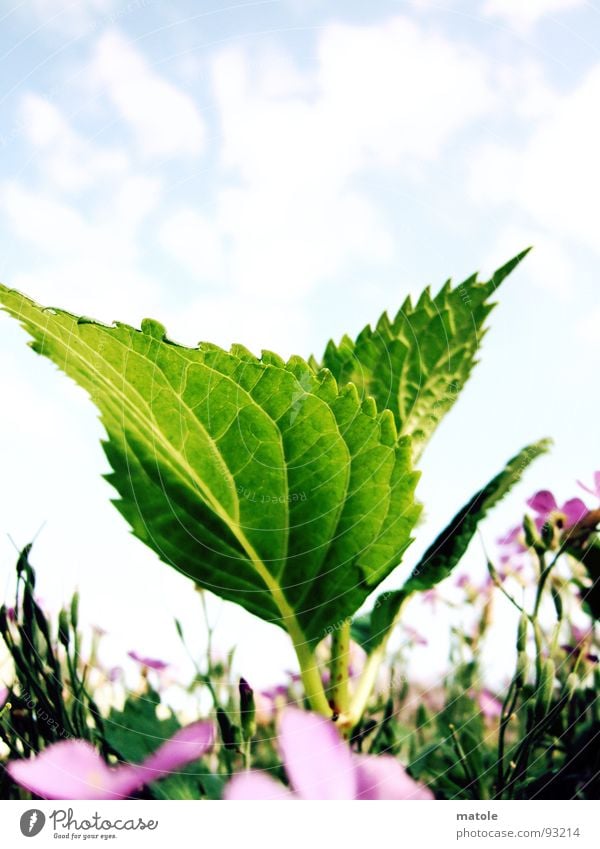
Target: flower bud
(75,610)
(544,696)
(63,628)
(3,620)
(571,685)
(230,733)
(532,537)
(522,669)
(247,709)
(522,633)
(558,605)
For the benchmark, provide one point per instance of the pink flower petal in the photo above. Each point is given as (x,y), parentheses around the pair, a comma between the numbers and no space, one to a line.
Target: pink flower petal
(489,705)
(595,490)
(318,762)
(149,662)
(186,745)
(543,502)
(3,696)
(574,510)
(73,769)
(258,786)
(383,777)
(510,536)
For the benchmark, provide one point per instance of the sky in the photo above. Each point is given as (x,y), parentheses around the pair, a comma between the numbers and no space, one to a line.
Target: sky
(277,173)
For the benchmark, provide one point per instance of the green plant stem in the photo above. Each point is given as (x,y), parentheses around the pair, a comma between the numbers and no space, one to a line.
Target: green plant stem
(309,667)
(311,677)
(507,711)
(365,686)
(367,680)
(339,694)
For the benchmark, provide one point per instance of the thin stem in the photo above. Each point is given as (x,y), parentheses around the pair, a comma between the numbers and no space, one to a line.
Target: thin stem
(367,680)
(311,676)
(309,668)
(507,711)
(340,668)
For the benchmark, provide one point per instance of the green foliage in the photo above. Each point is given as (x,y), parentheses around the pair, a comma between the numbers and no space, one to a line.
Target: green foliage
(136,731)
(49,698)
(446,550)
(261,480)
(417,364)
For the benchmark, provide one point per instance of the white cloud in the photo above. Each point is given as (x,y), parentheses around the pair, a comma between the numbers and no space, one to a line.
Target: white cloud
(68,161)
(522,15)
(587,330)
(71,17)
(553,177)
(290,213)
(43,221)
(87,262)
(548,266)
(195,242)
(165,121)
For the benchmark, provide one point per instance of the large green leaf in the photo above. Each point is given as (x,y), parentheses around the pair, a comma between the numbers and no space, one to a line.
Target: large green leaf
(417,364)
(260,479)
(447,549)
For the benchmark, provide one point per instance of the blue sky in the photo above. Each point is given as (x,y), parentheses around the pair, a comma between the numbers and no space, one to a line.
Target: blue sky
(276,173)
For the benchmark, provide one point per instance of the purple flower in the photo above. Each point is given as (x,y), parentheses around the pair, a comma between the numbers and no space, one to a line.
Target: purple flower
(73,769)
(595,489)
(148,662)
(544,504)
(320,765)
(3,696)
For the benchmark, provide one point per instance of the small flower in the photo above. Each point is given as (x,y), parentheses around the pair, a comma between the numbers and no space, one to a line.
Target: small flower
(268,702)
(513,540)
(414,637)
(489,705)
(3,696)
(73,769)
(320,765)
(546,508)
(148,662)
(595,489)
(430,597)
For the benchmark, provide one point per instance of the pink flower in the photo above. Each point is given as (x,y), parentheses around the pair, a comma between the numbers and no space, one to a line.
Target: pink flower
(430,597)
(73,769)
(320,765)
(148,662)
(513,540)
(595,489)
(489,705)
(3,696)
(544,504)
(414,637)
(269,701)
